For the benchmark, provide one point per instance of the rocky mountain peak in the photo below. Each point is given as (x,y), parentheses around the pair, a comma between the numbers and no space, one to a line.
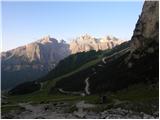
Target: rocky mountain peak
(62,41)
(86,43)
(145,39)
(109,38)
(147,27)
(47,39)
(39,57)
(86,37)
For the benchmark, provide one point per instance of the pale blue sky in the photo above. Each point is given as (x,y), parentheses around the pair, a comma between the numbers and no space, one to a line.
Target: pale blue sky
(25,22)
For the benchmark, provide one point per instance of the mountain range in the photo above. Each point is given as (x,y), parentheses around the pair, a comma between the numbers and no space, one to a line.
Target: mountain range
(34,60)
(87,43)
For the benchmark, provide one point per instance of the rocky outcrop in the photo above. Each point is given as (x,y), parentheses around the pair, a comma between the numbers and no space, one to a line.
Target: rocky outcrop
(86,43)
(145,39)
(64,110)
(147,27)
(31,61)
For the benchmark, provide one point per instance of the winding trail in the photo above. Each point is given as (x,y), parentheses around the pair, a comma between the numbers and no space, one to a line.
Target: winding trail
(87,86)
(86,89)
(69,92)
(104,60)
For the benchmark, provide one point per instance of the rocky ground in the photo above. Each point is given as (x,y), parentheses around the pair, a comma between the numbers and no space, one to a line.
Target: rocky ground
(77,110)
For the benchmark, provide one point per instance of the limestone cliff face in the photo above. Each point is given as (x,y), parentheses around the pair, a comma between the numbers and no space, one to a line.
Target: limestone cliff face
(147,27)
(31,61)
(87,43)
(145,39)
(46,52)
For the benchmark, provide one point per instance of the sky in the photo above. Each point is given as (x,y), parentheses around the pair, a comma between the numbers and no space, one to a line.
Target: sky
(26,22)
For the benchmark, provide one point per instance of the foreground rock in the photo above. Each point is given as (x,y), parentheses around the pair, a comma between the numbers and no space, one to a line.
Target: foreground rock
(62,111)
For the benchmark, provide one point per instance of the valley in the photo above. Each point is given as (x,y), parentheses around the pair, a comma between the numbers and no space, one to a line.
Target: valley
(96,79)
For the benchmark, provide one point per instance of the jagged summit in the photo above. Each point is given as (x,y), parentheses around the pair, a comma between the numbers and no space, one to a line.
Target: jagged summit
(86,37)
(47,39)
(87,42)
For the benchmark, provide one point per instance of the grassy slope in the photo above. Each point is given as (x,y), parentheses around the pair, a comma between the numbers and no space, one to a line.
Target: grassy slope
(143,98)
(51,83)
(43,94)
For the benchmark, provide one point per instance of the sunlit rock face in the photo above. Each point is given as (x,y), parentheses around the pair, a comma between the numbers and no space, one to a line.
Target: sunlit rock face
(87,43)
(32,61)
(147,27)
(145,39)
(44,51)
(47,50)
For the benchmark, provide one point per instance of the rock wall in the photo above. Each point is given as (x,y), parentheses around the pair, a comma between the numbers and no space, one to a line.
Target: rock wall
(147,27)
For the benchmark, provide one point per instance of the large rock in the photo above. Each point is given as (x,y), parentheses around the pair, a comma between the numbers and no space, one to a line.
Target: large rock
(147,27)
